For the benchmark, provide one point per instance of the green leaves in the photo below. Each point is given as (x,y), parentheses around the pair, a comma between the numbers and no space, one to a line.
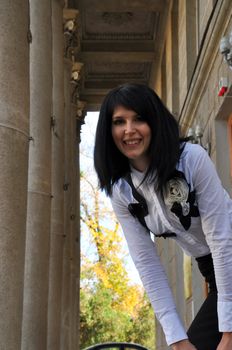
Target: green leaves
(112,308)
(102,322)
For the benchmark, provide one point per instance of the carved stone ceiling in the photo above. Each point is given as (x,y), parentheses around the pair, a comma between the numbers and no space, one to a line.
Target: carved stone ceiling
(121,41)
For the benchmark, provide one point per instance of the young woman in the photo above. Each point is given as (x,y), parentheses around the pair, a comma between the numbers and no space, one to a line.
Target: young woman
(160,184)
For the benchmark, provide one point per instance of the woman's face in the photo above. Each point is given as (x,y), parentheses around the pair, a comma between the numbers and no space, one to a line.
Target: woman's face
(132,136)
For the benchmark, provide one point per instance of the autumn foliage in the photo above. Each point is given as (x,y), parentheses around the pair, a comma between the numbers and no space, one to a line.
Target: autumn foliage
(112,307)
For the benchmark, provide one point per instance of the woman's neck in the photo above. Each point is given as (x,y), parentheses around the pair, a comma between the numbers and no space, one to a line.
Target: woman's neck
(140,164)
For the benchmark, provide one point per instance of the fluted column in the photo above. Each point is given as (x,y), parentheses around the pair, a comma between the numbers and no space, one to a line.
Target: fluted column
(79,120)
(57,209)
(66,292)
(34,330)
(77,248)
(14,133)
(74,258)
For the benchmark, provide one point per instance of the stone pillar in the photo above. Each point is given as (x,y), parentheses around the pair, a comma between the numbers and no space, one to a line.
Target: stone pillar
(66,292)
(34,330)
(70,48)
(14,133)
(77,247)
(78,254)
(75,258)
(57,207)
(81,113)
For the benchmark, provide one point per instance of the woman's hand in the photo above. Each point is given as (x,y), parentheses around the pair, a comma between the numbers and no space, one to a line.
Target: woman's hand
(185,345)
(226,342)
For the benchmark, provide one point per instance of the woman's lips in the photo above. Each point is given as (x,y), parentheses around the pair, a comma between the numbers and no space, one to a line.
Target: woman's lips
(132,142)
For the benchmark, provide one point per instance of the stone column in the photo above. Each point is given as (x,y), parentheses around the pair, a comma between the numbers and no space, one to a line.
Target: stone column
(74,259)
(78,250)
(70,47)
(79,120)
(14,133)
(57,208)
(34,330)
(65,336)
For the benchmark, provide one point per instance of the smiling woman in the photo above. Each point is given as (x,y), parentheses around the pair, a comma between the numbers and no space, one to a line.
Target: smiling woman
(132,136)
(142,162)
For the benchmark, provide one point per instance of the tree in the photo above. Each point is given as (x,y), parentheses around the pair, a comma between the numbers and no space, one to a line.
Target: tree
(112,309)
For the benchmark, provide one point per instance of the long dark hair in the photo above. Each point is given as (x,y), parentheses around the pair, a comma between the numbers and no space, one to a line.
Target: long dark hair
(164,150)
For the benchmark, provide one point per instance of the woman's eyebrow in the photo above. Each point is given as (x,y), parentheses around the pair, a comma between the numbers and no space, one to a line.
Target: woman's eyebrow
(117,116)
(122,116)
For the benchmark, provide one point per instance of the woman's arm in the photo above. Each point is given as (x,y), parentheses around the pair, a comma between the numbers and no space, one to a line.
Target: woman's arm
(226,341)
(214,207)
(146,259)
(183,345)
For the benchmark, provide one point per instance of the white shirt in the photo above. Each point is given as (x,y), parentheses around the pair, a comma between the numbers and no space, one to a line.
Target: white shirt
(209,232)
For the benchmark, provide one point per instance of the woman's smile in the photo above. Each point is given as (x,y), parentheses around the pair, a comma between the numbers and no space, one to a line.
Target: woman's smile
(132,142)
(132,136)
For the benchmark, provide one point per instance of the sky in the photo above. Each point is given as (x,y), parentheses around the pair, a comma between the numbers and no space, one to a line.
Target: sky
(86,165)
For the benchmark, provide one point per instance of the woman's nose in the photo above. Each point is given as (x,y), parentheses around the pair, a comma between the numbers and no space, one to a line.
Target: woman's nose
(129,128)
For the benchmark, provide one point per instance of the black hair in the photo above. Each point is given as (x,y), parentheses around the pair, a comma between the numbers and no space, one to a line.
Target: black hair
(164,150)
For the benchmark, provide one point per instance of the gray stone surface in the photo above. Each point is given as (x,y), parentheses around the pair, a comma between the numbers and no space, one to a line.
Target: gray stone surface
(34,328)
(57,204)
(66,289)
(14,132)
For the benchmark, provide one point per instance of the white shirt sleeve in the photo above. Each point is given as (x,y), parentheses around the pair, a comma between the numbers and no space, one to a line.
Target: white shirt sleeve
(213,204)
(143,252)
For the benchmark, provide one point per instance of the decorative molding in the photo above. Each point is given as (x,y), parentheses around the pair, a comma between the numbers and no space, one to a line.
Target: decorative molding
(69,14)
(119,42)
(76,81)
(117,18)
(114,71)
(80,117)
(81,109)
(71,32)
(76,71)
(120,25)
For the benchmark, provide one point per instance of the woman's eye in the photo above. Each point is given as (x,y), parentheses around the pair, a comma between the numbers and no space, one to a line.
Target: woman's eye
(140,119)
(122,121)
(117,122)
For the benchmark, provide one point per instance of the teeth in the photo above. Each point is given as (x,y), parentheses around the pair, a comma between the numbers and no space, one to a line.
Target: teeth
(132,142)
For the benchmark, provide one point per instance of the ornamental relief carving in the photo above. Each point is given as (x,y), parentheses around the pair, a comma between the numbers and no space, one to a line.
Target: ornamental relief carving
(117,18)
(119,25)
(114,71)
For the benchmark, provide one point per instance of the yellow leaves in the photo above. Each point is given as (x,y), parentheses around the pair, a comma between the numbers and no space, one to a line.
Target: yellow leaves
(113,276)
(102,274)
(109,270)
(132,301)
(107,241)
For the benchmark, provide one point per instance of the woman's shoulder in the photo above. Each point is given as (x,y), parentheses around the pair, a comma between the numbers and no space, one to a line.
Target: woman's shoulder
(192,151)
(121,197)
(120,190)
(193,157)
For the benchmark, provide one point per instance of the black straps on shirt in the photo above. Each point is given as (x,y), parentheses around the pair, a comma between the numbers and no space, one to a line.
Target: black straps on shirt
(140,210)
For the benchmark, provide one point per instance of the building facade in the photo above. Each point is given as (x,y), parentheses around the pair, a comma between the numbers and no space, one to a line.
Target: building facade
(41,116)
(191,80)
